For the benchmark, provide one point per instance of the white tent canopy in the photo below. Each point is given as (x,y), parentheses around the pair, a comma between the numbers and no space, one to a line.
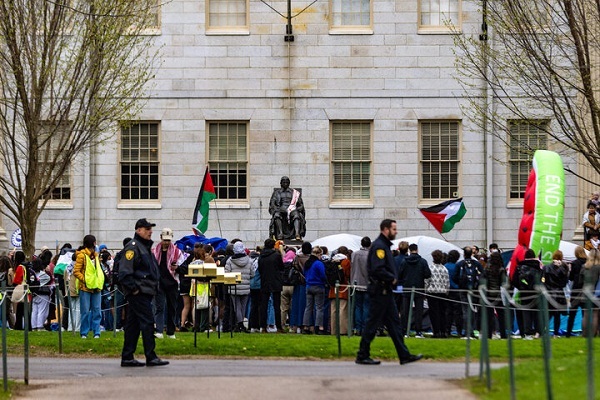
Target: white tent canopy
(427,245)
(333,242)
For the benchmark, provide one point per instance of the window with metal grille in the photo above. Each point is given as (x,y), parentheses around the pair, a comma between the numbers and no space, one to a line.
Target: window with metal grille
(525,137)
(351,160)
(350,13)
(227,14)
(140,161)
(440,160)
(439,14)
(55,135)
(228,159)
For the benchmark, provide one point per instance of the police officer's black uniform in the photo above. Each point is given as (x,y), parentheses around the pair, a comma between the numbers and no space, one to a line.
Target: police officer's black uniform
(382,308)
(138,279)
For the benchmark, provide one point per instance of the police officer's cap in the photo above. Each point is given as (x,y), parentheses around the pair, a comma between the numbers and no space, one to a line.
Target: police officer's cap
(143,223)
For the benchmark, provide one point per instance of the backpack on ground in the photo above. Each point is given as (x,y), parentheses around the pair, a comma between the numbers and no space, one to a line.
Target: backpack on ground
(334,273)
(469,275)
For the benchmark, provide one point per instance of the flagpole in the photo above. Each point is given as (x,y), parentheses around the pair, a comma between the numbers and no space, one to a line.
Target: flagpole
(443,237)
(218,220)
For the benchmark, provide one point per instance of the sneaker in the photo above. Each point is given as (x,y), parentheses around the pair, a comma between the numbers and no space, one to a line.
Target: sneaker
(254,330)
(172,337)
(96,336)
(419,336)
(159,335)
(83,337)
(527,337)
(271,329)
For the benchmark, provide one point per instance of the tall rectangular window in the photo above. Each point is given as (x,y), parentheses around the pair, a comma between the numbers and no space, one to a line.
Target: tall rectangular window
(350,14)
(439,15)
(140,161)
(351,160)
(49,155)
(440,160)
(228,159)
(227,15)
(525,137)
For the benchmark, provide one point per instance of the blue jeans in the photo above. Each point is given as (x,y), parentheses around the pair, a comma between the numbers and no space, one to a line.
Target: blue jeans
(89,304)
(361,310)
(315,298)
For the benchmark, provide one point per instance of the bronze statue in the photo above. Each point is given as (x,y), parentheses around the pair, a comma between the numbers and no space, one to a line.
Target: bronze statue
(287,211)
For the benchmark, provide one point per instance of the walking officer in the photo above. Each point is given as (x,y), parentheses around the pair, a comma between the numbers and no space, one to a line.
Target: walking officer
(138,279)
(382,309)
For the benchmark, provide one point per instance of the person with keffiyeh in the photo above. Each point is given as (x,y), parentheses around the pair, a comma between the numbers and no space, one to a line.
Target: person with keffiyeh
(169,257)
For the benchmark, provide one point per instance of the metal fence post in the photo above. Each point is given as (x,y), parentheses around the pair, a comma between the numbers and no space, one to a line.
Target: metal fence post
(590,347)
(468,334)
(59,318)
(543,318)
(5,298)
(410,306)
(511,359)
(337,317)
(26,335)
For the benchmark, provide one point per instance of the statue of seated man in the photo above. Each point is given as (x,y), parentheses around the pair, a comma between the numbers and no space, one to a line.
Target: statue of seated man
(287,213)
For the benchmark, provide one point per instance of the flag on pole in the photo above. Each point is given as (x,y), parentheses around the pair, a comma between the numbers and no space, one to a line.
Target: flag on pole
(207,193)
(444,215)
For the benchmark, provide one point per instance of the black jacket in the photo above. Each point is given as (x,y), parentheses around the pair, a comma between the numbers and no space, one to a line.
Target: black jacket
(138,268)
(270,266)
(380,265)
(413,271)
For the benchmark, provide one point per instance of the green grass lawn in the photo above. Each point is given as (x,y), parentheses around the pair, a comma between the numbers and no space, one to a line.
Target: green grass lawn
(568,355)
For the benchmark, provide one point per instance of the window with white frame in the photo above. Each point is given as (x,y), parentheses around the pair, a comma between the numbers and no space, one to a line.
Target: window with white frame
(52,140)
(350,14)
(351,160)
(525,137)
(439,15)
(440,160)
(227,15)
(228,159)
(140,161)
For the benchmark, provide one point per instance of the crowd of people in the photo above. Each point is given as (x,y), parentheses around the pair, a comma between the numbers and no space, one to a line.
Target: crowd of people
(292,289)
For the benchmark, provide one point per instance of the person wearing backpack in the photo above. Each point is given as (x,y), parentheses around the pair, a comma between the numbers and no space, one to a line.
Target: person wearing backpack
(467,274)
(591,281)
(316,285)
(576,277)
(23,275)
(40,306)
(88,271)
(287,291)
(342,264)
(555,277)
(528,274)
(414,270)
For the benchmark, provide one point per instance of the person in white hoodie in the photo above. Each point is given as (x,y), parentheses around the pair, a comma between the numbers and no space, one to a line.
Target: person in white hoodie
(240,262)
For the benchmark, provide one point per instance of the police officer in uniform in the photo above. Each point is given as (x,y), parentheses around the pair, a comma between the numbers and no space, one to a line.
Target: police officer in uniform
(382,309)
(138,279)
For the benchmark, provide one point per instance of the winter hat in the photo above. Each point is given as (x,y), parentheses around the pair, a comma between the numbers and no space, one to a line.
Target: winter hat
(239,248)
(289,256)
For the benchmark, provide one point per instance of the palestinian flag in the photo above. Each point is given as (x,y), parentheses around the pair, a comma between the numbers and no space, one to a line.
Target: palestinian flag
(207,193)
(444,215)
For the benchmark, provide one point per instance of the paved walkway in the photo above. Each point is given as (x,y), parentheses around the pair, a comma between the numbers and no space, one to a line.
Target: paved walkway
(61,378)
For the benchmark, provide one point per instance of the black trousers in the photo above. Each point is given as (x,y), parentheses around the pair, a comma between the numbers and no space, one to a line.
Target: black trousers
(254,321)
(437,314)
(140,319)
(165,302)
(417,315)
(264,307)
(382,311)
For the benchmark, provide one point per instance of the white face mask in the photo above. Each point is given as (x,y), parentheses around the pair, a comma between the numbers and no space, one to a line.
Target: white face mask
(493,250)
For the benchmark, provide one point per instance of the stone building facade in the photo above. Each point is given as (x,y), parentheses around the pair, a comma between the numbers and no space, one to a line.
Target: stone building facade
(361,110)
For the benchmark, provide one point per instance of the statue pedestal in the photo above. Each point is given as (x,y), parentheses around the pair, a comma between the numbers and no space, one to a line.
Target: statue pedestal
(292,242)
